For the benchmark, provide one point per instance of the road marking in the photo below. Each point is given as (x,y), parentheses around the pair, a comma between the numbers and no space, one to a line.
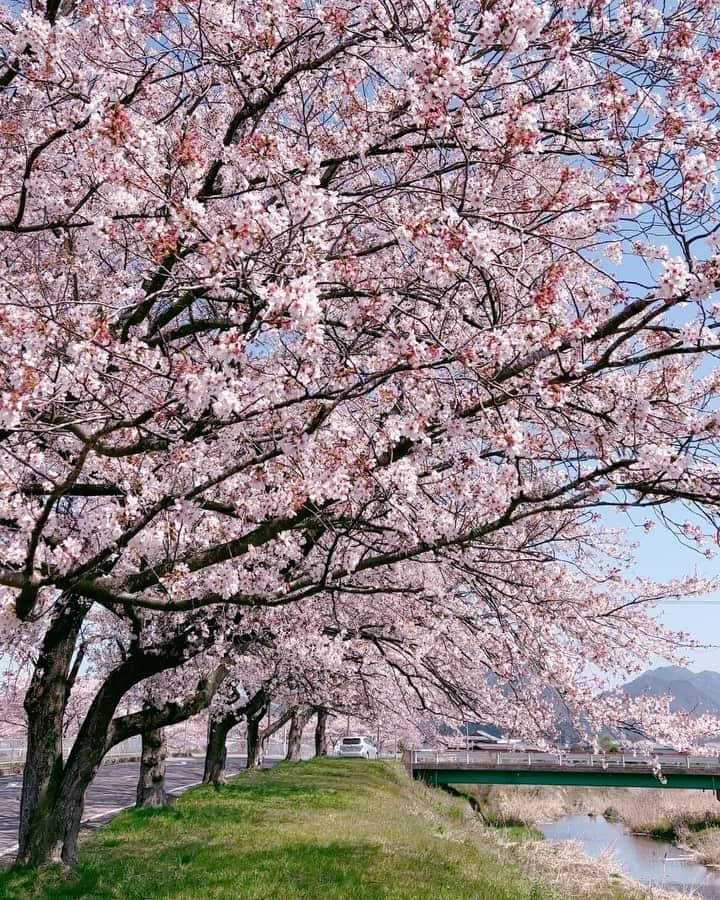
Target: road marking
(106,812)
(10,851)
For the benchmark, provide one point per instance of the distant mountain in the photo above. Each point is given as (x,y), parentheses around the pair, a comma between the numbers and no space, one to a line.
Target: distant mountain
(697,693)
(693,692)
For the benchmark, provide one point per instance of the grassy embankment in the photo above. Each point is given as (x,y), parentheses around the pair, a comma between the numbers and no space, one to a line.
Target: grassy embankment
(690,818)
(323,829)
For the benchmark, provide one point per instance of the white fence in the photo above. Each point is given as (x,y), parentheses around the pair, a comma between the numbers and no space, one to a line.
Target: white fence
(131,747)
(12,750)
(273,748)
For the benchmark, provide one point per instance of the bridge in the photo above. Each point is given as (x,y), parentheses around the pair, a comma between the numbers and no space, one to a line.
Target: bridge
(438,767)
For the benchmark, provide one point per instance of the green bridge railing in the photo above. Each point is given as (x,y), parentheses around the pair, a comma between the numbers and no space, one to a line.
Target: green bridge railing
(677,771)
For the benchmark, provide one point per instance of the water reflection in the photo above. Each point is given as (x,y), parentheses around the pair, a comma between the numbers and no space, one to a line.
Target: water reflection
(651,862)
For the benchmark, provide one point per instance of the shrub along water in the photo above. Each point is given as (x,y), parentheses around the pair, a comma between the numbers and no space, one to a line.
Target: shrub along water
(690,818)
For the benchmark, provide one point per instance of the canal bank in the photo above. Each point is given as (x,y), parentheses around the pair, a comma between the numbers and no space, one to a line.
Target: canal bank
(652,862)
(657,837)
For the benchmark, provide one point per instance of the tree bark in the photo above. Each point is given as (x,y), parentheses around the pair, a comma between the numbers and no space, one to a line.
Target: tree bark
(85,758)
(100,732)
(216,753)
(45,704)
(218,730)
(91,745)
(57,841)
(53,793)
(321,739)
(151,792)
(300,718)
(254,739)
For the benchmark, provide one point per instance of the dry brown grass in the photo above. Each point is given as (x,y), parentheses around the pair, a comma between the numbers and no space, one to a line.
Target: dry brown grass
(562,865)
(706,844)
(688,818)
(652,811)
(521,805)
(643,810)
(565,866)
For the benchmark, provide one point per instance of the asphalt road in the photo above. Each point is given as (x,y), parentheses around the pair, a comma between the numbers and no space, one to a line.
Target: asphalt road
(112,790)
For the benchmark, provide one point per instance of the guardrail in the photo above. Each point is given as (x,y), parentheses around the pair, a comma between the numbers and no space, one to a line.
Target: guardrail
(515,759)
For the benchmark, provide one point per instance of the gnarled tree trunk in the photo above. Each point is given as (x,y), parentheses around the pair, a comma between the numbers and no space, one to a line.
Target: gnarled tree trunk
(216,753)
(88,751)
(321,739)
(151,791)
(45,704)
(254,738)
(300,718)
(99,732)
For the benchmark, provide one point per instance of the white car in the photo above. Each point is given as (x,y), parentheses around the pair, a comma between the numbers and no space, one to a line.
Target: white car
(358,747)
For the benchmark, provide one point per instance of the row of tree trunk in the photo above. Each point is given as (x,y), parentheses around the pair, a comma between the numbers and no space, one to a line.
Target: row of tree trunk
(53,792)
(151,790)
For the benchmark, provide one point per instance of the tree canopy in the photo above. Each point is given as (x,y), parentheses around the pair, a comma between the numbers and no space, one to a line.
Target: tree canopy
(363,311)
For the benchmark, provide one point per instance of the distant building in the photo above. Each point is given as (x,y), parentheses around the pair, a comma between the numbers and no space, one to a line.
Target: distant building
(482,736)
(483,731)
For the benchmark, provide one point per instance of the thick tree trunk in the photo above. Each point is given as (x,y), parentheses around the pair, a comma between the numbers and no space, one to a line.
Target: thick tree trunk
(52,828)
(100,732)
(67,822)
(42,775)
(45,705)
(82,765)
(151,792)
(216,753)
(321,739)
(254,740)
(93,742)
(300,718)
(54,825)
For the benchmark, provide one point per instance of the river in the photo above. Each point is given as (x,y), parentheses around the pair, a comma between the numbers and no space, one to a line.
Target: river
(654,863)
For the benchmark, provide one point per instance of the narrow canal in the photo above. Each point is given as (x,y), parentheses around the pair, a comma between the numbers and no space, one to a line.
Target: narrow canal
(654,863)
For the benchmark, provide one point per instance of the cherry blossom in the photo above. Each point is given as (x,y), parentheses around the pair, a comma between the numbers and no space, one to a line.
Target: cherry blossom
(344,322)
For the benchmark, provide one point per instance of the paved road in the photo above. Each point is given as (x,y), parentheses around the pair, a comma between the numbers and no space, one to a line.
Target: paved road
(112,789)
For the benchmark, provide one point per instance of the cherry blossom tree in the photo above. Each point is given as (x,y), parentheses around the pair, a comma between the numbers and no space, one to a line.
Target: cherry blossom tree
(151,791)
(245,699)
(349,303)
(322,741)
(54,783)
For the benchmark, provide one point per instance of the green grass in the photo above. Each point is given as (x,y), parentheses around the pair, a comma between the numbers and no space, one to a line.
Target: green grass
(321,829)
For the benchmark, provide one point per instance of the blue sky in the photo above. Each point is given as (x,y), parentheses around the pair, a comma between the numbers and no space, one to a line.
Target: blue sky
(662,557)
